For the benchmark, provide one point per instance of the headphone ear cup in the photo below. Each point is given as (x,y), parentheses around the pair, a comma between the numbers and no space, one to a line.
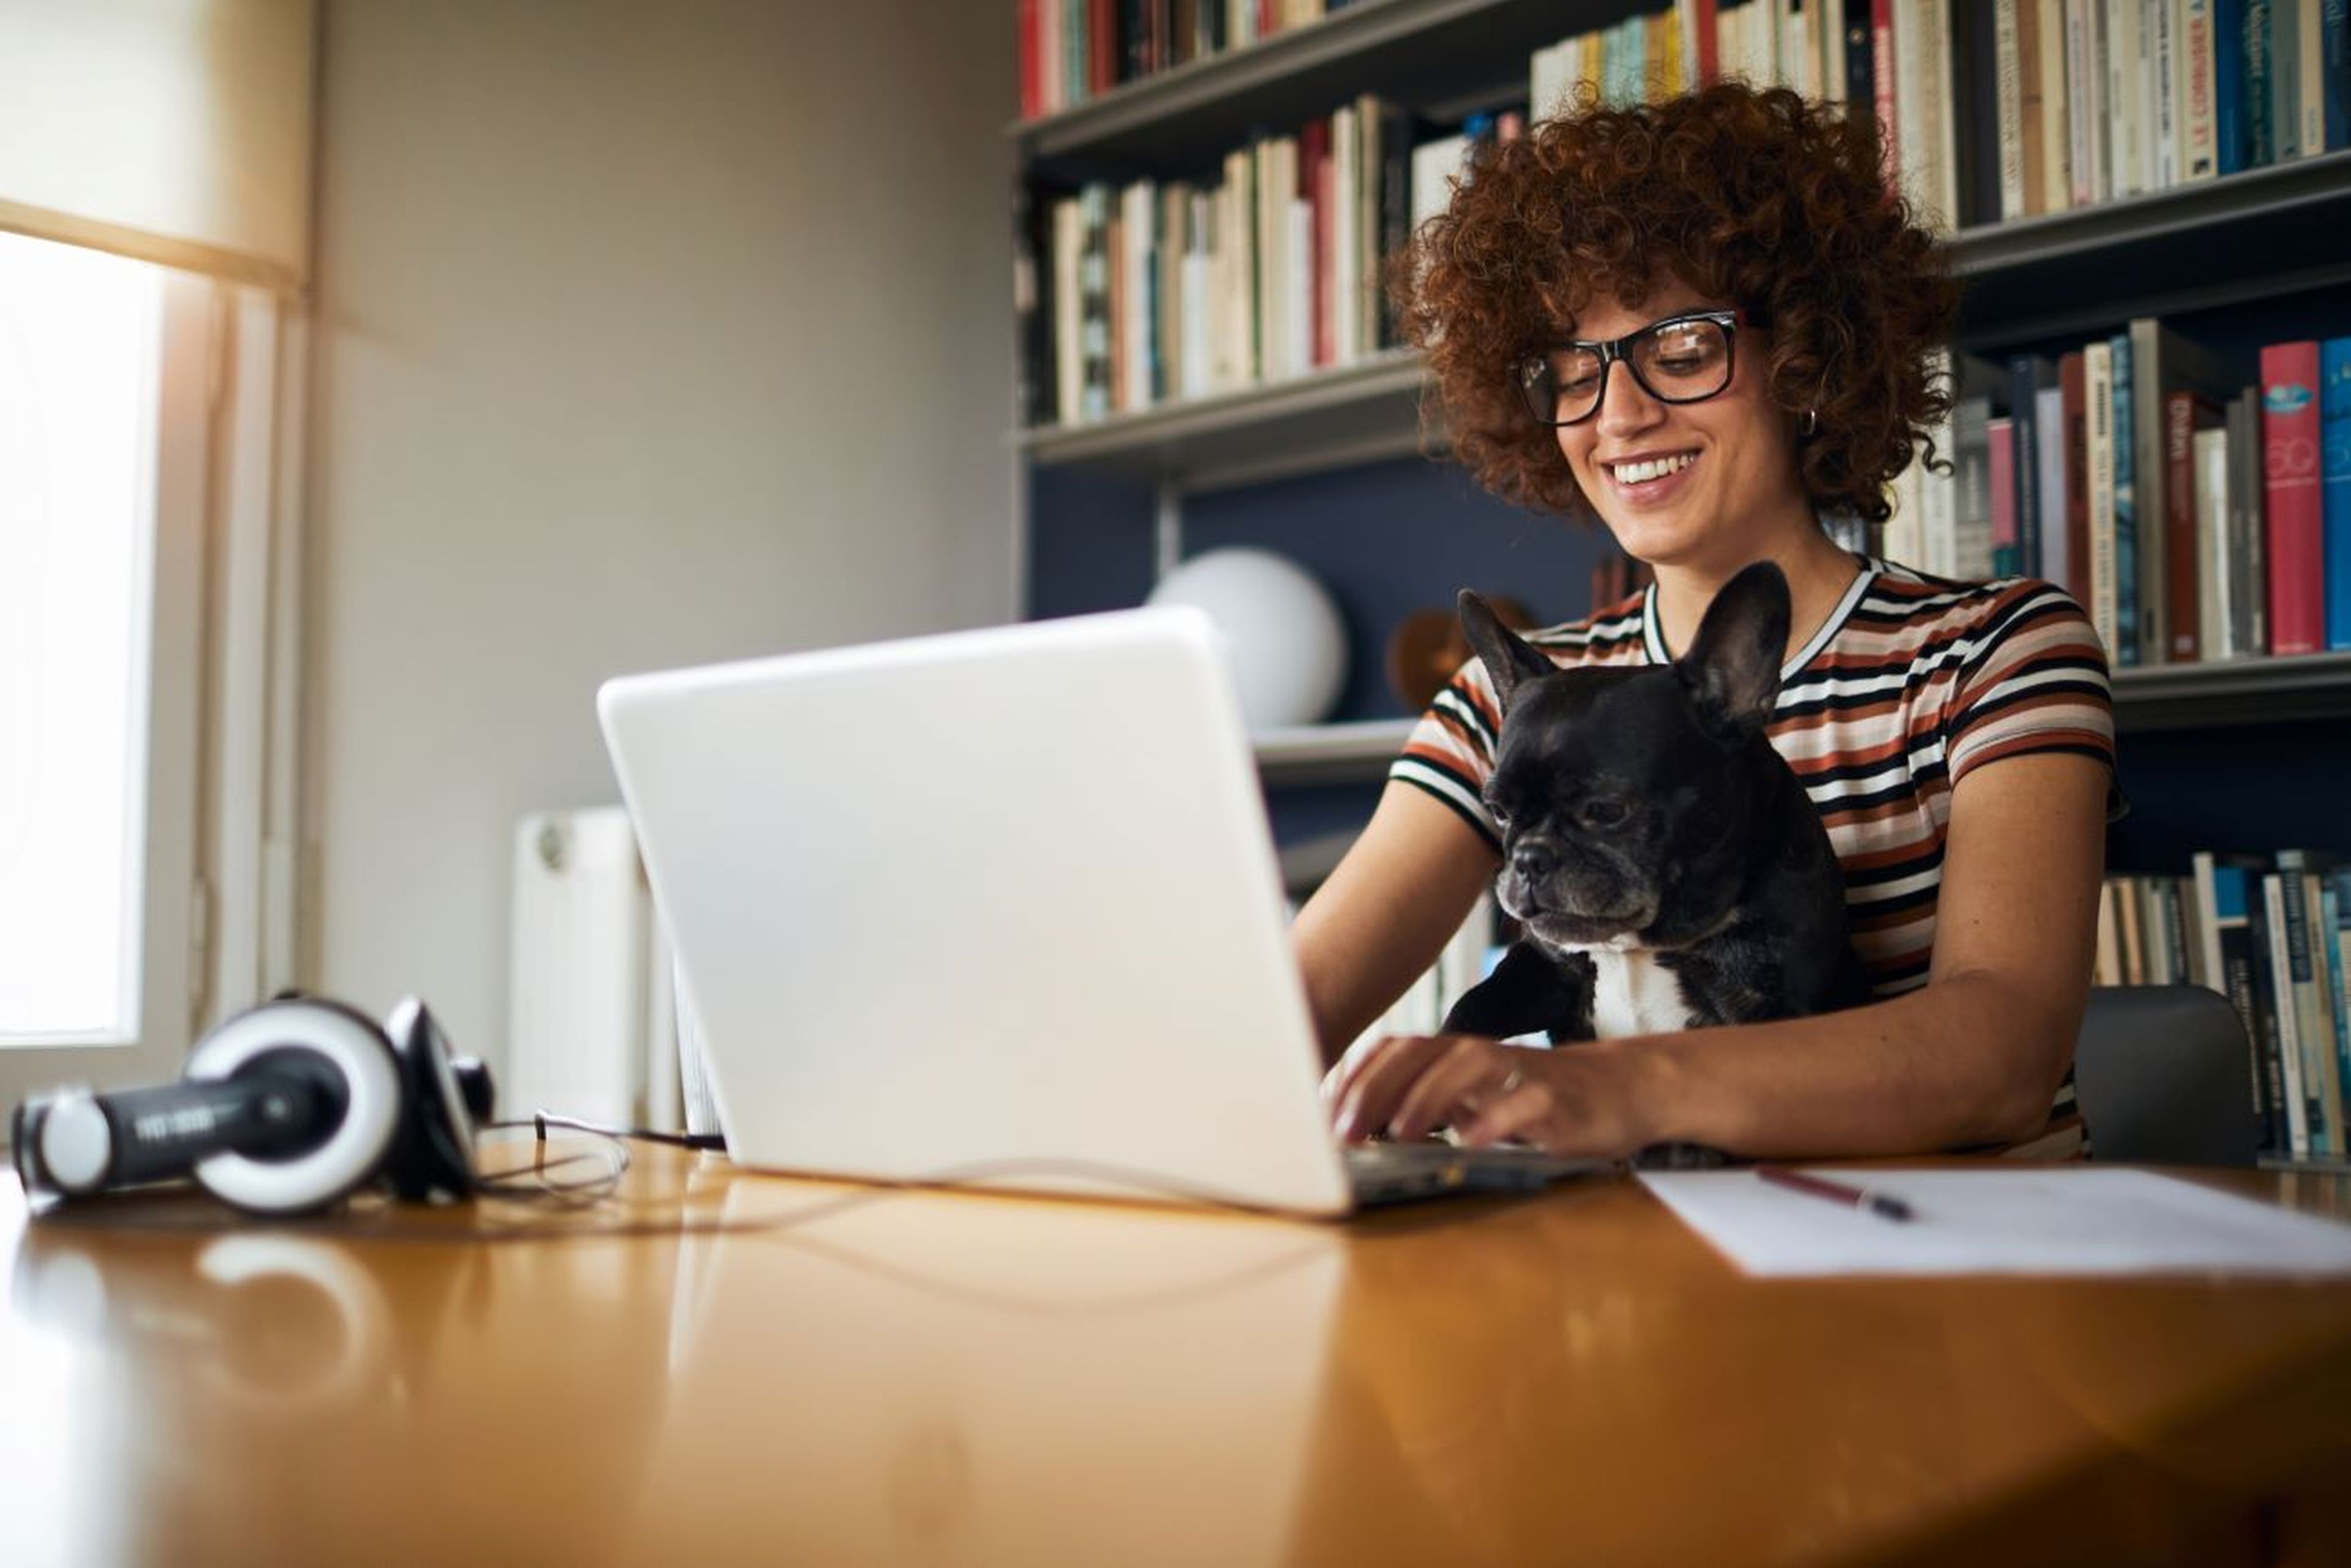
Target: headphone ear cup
(433,1154)
(348,1058)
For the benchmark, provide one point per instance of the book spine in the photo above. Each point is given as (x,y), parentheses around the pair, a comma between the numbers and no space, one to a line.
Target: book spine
(2127,598)
(2196,148)
(2073,392)
(2098,400)
(2217,586)
(2032,112)
(2007,557)
(2269,916)
(2049,491)
(2025,376)
(2320,1018)
(2170,90)
(2334,484)
(2335,46)
(2232,950)
(2336,936)
(2290,435)
(2259,104)
(2228,148)
(2182,581)
(2249,621)
(2314,1032)
(1885,78)
(1860,57)
(2126,119)
(2312,99)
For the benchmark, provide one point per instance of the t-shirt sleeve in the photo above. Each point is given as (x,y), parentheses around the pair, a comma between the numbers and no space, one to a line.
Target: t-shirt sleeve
(1450,752)
(2034,680)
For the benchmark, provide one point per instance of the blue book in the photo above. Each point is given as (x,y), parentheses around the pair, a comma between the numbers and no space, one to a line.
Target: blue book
(2028,376)
(2229,85)
(2334,485)
(2126,542)
(2260,103)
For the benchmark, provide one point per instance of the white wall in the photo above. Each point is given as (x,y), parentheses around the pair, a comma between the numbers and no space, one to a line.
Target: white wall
(648,334)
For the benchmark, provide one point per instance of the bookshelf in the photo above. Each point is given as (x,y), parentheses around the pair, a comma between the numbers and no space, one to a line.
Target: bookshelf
(2220,249)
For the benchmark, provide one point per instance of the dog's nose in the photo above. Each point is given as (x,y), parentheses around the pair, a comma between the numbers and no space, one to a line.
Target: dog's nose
(1533,863)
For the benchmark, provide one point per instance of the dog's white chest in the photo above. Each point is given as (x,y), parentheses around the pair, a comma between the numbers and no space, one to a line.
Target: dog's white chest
(1634,994)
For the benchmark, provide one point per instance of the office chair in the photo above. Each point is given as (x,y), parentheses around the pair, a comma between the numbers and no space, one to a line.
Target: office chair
(2164,1075)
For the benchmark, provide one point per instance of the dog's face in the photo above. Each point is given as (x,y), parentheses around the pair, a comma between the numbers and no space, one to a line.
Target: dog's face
(1625,796)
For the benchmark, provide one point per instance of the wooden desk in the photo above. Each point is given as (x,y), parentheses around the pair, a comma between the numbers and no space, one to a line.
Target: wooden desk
(935,1378)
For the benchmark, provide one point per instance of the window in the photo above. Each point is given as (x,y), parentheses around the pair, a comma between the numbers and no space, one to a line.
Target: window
(104,379)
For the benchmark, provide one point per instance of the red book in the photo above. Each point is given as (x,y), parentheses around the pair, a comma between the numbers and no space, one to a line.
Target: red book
(1101,45)
(2183,585)
(1032,95)
(1704,19)
(2289,496)
(2074,395)
(1315,189)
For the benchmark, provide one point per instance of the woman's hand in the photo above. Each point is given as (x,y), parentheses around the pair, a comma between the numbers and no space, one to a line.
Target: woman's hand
(1593,1100)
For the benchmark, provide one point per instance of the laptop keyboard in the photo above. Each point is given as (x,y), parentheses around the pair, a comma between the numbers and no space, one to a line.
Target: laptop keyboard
(1390,1172)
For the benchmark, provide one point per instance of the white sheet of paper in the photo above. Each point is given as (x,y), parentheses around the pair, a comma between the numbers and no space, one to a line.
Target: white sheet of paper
(2065,1221)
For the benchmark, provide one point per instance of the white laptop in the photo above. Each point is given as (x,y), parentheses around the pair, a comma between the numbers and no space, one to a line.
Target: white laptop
(997,906)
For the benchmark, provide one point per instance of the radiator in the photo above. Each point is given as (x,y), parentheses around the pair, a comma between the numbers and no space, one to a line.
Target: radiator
(592,1028)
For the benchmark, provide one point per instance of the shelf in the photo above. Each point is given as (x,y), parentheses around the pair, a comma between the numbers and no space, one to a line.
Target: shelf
(2038,279)
(1331,419)
(1438,56)
(2233,692)
(2167,697)
(2171,252)
(1329,753)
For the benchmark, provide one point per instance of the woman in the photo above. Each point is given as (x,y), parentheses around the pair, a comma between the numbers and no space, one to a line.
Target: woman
(1704,322)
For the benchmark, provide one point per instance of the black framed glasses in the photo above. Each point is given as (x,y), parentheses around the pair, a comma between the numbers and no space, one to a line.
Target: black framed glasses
(1682,359)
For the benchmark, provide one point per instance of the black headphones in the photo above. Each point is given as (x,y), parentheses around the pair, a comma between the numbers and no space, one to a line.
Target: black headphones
(284,1109)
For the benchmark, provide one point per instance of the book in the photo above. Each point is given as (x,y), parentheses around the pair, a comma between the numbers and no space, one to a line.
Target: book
(2335,48)
(2247,528)
(2049,488)
(2334,484)
(2007,559)
(2265,914)
(2163,363)
(2229,148)
(2289,498)
(2299,874)
(2073,383)
(2183,542)
(2216,584)
(2129,116)
(2028,376)
(2221,885)
(2122,458)
(2198,151)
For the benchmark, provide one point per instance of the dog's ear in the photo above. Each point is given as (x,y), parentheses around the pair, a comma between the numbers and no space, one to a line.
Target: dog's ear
(1732,668)
(1509,659)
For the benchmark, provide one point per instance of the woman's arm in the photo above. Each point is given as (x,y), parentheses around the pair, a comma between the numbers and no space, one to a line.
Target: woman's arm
(1972,1057)
(1383,916)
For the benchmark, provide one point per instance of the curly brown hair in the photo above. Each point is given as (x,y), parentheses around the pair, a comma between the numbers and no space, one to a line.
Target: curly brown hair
(1761,198)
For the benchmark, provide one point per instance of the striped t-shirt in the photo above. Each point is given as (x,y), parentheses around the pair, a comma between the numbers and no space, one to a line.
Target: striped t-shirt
(1911,683)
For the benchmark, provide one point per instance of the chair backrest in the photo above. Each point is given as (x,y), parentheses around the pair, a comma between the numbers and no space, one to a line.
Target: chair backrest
(2164,1075)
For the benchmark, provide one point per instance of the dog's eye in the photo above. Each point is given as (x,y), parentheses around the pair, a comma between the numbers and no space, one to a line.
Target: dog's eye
(1602,813)
(1499,812)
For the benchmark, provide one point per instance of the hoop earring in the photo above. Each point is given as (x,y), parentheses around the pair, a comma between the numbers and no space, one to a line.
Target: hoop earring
(1811,426)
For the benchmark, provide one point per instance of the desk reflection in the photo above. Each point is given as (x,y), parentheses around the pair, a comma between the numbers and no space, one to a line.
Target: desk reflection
(950,1378)
(187,1387)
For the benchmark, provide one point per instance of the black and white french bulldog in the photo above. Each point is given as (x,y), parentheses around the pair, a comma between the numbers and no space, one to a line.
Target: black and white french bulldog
(1661,859)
